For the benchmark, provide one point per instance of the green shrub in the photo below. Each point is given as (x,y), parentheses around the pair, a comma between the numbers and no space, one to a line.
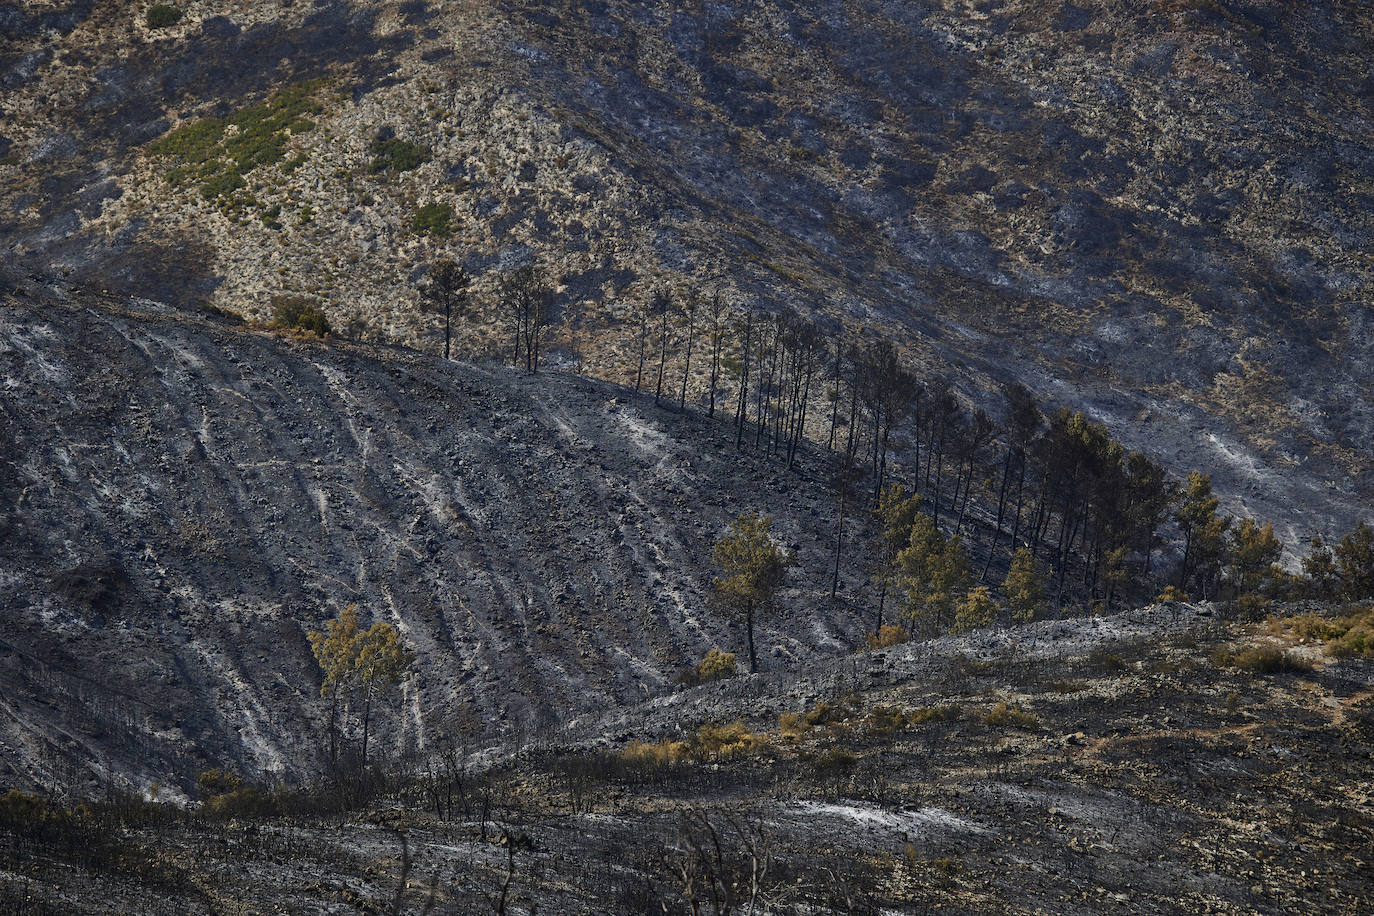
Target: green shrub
(220,158)
(1106,661)
(161,15)
(397,155)
(432,219)
(932,714)
(298,313)
(731,740)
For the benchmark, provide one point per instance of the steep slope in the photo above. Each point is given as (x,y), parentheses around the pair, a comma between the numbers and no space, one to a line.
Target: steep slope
(1159,212)
(183,500)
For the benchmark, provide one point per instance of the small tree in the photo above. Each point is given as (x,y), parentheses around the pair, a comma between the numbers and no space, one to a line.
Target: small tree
(977,609)
(1024,587)
(896,514)
(1355,556)
(1204,532)
(934,572)
(754,567)
(445,290)
(372,660)
(1254,553)
(1322,578)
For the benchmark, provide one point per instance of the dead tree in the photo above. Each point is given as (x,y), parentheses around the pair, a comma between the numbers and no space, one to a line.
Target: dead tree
(715,312)
(446,289)
(689,310)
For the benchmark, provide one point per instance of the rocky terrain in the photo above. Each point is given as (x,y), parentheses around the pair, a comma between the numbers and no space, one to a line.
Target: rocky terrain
(1159,212)
(184,500)
(1106,765)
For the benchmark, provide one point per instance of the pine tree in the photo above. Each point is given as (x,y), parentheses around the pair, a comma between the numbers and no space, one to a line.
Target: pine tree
(1024,587)
(445,290)
(896,513)
(1203,531)
(1254,551)
(977,609)
(753,568)
(1355,556)
(934,572)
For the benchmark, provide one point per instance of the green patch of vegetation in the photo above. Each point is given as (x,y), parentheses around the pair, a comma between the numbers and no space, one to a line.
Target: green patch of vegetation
(432,219)
(1344,637)
(397,155)
(1109,662)
(299,313)
(834,762)
(162,15)
(219,152)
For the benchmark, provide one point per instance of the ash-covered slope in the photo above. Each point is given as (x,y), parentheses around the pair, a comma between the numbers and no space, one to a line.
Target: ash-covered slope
(184,500)
(1159,212)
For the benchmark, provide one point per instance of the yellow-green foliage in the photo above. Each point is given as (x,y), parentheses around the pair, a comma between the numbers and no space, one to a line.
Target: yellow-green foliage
(932,714)
(888,635)
(1024,586)
(1170,594)
(1011,716)
(731,740)
(790,725)
(1259,659)
(716,665)
(707,742)
(654,756)
(884,720)
(974,611)
(1351,635)
(219,152)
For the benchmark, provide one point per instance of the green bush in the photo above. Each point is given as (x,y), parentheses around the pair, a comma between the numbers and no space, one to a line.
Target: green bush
(160,16)
(219,158)
(298,313)
(397,155)
(432,219)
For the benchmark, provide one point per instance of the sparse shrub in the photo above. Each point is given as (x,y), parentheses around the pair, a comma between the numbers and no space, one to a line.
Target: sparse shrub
(1106,661)
(834,763)
(654,756)
(716,665)
(1170,594)
(299,313)
(821,714)
(1011,716)
(161,15)
(1232,701)
(433,219)
(884,720)
(888,635)
(790,725)
(932,714)
(397,155)
(1260,660)
(1345,637)
(730,740)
